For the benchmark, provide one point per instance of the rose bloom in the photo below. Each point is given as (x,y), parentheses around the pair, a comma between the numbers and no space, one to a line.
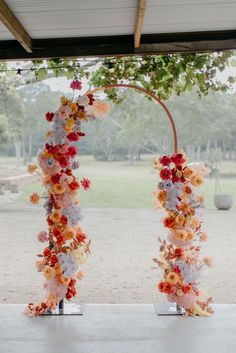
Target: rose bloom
(188,172)
(165,174)
(69,234)
(179,220)
(165,160)
(85,183)
(55,216)
(71,151)
(56,232)
(180,234)
(73,136)
(172,278)
(63,220)
(81,237)
(179,252)
(32,168)
(186,288)
(168,289)
(34,198)
(74,185)
(58,189)
(161,286)
(63,161)
(196,180)
(46,252)
(169,222)
(161,196)
(48,272)
(187,190)
(53,259)
(178,159)
(190,234)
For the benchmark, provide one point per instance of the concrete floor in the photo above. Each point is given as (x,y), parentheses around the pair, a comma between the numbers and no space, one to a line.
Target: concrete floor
(118,328)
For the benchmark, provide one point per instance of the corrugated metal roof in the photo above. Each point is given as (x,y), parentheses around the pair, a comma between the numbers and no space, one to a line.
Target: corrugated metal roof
(83,18)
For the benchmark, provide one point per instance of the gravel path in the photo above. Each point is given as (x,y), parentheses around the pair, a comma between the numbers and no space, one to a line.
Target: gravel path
(120,268)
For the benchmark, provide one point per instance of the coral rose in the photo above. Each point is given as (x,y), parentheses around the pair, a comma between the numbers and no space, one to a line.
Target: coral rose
(161,286)
(168,289)
(179,220)
(34,198)
(161,196)
(55,216)
(186,288)
(69,234)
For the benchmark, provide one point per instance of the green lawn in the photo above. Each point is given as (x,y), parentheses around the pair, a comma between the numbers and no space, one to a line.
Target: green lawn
(118,185)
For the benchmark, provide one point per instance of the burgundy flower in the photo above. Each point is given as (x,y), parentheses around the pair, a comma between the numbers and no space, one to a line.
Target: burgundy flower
(165,160)
(49,116)
(178,159)
(71,151)
(165,174)
(73,136)
(63,162)
(91,99)
(55,178)
(76,84)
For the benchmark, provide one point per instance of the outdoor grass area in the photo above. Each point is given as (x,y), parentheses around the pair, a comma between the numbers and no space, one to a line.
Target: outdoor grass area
(119,185)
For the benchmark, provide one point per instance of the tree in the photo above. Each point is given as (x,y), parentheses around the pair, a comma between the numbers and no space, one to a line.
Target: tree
(4,131)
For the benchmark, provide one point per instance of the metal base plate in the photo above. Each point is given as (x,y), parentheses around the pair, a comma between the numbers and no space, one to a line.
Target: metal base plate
(68,309)
(168,309)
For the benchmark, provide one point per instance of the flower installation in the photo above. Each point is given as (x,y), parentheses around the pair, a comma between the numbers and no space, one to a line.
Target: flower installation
(180,253)
(67,244)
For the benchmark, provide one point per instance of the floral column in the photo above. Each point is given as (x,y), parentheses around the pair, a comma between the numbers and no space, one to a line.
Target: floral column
(179,257)
(67,244)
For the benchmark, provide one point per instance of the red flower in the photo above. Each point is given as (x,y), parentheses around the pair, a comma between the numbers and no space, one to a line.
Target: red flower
(165,160)
(50,222)
(55,178)
(168,288)
(52,149)
(73,136)
(85,183)
(165,174)
(63,220)
(63,162)
(71,151)
(161,286)
(74,185)
(53,259)
(46,252)
(81,237)
(186,288)
(169,222)
(49,116)
(56,232)
(178,159)
(176,269)
(76,84)
(179,252)
(72,283)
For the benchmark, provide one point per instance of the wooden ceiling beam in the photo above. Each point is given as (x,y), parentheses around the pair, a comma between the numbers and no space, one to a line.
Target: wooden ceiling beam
(139,22)
(15,27)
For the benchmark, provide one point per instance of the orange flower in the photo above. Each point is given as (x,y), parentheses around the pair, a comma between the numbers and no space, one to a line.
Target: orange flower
(34,198)
(58,188)
(32,168)
(180,234)
(69,234)
(186,208)
(196,180)
(168,289)
(48,272)
(55,216)
(64,280)
(161,196)
(58,270)
(186,191)
(188,172)
(179,220)
(186,288)
(190,235)
(172,278)
(179,253)
(73,107)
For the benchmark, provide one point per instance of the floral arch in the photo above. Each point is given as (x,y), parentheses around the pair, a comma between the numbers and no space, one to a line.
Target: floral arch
(67,244)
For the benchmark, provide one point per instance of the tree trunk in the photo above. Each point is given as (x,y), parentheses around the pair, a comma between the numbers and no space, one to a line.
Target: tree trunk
(30,147)
(17,144)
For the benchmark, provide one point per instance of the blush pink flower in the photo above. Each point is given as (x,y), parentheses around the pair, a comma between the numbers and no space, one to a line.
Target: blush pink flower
(42,237)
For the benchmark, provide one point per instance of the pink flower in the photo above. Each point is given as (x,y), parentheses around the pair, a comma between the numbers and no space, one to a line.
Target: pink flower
(85,183)
(76,84)
(42,237)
